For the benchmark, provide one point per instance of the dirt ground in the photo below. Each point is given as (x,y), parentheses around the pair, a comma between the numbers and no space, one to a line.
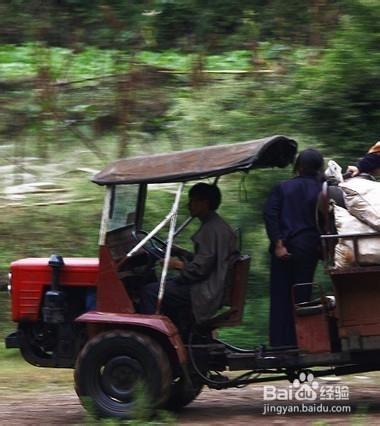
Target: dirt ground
(228,407)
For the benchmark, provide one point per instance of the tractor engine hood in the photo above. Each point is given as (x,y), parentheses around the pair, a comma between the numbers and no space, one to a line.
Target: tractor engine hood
(30,277)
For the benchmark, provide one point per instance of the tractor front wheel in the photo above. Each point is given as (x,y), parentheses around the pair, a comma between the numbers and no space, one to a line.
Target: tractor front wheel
(119,371)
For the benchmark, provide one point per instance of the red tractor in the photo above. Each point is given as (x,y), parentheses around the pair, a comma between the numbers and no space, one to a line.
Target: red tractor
(81,312)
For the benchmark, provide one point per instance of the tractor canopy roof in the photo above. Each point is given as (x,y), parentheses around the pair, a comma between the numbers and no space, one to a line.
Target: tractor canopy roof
(211,161)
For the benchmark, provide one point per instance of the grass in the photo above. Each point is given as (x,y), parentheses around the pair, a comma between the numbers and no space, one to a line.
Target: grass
(17,374)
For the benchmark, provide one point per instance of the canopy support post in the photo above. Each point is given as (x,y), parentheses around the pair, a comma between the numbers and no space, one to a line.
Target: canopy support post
(173,221)
(105,215)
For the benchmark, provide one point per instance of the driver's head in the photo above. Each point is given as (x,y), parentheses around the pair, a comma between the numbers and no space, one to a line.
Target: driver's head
(203,198)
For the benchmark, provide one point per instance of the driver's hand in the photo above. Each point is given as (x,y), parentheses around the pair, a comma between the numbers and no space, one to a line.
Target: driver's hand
(175,263)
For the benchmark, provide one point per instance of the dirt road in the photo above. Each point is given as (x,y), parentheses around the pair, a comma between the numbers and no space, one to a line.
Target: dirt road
(229,407)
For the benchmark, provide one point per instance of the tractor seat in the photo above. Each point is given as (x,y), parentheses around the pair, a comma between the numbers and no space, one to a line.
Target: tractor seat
(231,314)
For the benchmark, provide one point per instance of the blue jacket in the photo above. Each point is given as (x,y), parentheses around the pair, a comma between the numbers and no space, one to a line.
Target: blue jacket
(290,214)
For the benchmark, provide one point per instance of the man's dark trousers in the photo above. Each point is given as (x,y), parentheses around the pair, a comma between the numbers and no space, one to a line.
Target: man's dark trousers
(284,274)
(176,297)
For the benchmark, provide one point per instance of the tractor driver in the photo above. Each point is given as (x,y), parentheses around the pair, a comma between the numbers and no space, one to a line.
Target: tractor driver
(202,281)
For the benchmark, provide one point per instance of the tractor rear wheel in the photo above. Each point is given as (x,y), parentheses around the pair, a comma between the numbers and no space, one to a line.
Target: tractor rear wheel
(182,393)
(119,370)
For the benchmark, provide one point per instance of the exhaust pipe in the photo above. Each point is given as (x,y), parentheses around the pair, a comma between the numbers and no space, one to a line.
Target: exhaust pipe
(54,301)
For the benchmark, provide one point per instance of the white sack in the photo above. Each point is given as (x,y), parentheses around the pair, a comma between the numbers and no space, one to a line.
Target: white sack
(362,199)
(368,248)
(334,171)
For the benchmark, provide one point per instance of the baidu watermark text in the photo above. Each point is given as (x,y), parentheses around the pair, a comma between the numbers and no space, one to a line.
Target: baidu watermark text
(282,410)
(306,396)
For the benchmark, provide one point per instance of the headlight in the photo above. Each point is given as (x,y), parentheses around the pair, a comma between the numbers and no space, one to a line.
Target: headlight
(9,286)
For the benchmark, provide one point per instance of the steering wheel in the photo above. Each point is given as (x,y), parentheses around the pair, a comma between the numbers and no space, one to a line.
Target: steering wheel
(155,246)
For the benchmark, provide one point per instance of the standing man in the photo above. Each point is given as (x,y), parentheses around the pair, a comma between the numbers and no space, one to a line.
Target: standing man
(202,280)
(290,220)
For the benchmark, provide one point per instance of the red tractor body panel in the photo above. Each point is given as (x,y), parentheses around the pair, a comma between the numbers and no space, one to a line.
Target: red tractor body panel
(31,276)
(111,296)
(158,323)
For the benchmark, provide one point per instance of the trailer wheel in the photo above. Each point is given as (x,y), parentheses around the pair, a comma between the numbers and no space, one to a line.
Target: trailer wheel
(182,393)
(118,370)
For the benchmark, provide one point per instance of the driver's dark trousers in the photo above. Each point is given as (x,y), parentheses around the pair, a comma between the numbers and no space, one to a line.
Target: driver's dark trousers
(176,299)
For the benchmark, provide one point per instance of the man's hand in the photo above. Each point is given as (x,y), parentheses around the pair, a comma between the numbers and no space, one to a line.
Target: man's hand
(281,251)
(353,170)
(175,263)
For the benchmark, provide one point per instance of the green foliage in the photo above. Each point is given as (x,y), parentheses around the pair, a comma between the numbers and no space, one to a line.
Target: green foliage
(180,61)
(338,95)
(39,232)
(191,25)
(63,63)
(6,327)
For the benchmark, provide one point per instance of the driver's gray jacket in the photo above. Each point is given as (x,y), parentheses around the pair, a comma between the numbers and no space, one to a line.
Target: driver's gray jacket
(209,271)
